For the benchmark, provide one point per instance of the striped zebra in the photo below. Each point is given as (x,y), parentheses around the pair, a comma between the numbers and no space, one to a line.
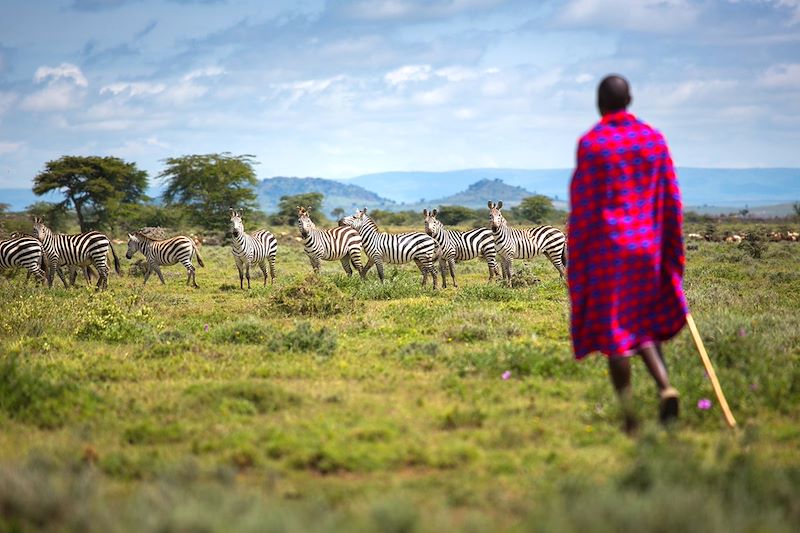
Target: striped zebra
(24,252)
(79,250)
(258,248)
(342,243)
(393,247)
(164,252)
(515,243)
(458,245)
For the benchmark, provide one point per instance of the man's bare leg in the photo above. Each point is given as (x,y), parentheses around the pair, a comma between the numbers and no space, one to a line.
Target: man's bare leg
(619,368)
(654,360)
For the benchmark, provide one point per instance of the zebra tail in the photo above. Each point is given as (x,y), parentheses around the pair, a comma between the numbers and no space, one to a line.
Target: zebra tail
(199,259)
(564,255)
(116,260)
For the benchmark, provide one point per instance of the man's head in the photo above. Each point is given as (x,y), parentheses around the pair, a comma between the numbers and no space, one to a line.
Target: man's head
(613,94)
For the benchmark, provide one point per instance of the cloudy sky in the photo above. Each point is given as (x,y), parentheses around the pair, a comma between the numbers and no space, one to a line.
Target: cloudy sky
(340,88)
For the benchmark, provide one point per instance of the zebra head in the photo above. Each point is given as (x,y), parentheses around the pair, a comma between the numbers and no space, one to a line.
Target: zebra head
(432,225)
(304,221)
(134,245)
(39,229)
(496,218)
(237,227)
(355,221)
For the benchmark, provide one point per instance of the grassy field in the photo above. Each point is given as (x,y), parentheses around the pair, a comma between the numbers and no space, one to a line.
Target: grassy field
(327,403)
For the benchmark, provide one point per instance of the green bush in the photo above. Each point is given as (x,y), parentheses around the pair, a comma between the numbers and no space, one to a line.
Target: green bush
(28,396)
(104,319)
(313,295)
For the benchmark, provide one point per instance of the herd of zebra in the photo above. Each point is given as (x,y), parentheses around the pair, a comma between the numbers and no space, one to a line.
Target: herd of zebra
(45,253)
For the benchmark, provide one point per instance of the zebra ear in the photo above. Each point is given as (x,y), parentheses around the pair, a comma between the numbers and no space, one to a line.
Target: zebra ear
(130,237)
(435,212)
(500,204)
(425,212)
(365,210)
(490,204)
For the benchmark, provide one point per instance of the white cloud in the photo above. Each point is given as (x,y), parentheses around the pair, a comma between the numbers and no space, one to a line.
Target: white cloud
(465,113)
(207,72)
(412,9)
(784,76)
(133,89)
(646,16)
(433,97)
(407,74)
(64,90)
(64,70)
(583,78)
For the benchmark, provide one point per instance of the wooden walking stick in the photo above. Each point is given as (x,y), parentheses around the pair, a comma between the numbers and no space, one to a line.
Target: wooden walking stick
(710,371)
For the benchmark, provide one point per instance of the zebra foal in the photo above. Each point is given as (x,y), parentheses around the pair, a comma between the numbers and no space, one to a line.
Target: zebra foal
(512,243)
(25,252)
(342,243)
(393,247)
(458,245)
(164,252)
(258,248)
(81,250)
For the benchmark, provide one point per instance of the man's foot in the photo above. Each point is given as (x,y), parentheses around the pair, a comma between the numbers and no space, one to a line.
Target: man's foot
(630,424)
(668,411)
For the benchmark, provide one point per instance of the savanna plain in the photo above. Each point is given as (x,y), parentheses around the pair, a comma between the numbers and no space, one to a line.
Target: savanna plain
(326,403)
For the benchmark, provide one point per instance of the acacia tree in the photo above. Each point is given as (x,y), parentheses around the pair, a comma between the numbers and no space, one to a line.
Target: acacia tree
(208,185)
(535,208)
(287,208)
(94,186)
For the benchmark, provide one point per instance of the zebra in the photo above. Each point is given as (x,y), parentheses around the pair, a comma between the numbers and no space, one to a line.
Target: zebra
(24,252)
(82,250)
(515,243)
(460,246)
(259,249)
(164,252)
(340,242)
(393,247)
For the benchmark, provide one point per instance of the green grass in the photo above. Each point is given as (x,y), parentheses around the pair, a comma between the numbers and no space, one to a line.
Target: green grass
(330,403)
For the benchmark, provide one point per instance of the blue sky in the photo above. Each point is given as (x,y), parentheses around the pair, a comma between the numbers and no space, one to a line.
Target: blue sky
(346,87)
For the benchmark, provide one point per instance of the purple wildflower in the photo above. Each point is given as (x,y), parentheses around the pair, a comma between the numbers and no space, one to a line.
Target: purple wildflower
(704,404)
(205,327)
(506,375)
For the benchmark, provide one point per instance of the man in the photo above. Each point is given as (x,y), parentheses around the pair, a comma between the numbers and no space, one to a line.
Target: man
(626,248)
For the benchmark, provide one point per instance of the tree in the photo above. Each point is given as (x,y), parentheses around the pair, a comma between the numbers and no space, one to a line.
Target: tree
(94,186)
(4,208)
(55,215)
(337,213)
(796,207)
(535,208)
(287,208)
(207,186)
(451,215)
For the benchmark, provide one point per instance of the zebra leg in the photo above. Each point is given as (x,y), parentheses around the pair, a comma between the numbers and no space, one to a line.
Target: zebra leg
(443,270)
(316,264)
(508,270)
(190,275)
(61,275)
(241,274)
(160,275)
(263,268)
(379,268)
(355,260)
(423,268)
(247,273)
(102,276)
(147,273)
(366,268)
(555,260)
(346,266)
(272,270)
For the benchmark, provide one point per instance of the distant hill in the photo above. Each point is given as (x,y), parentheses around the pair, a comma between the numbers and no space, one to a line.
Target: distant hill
(722,187)
(337,194)
(419,187)
(476,195)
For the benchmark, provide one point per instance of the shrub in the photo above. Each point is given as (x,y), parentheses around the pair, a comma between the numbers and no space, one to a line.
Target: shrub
(27,396)
(242,397)
(103,319)
(247,330)
(311,296)
(304,338)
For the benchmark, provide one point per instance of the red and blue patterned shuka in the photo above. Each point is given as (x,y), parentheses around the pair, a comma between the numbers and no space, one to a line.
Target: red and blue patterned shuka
(625,240)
